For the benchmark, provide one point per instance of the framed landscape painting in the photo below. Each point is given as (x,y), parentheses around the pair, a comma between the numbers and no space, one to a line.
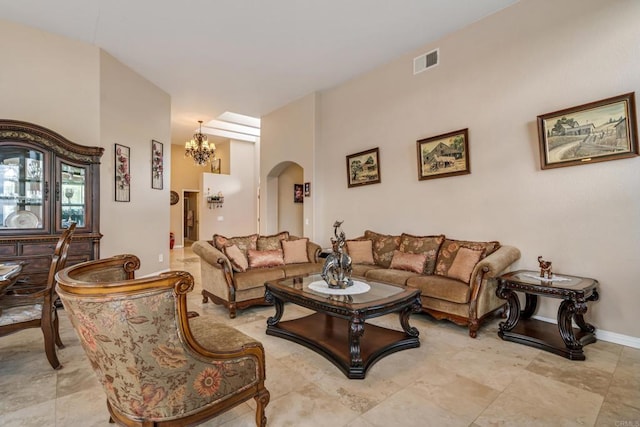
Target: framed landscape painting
(444,155)
(594,132)
(363,168)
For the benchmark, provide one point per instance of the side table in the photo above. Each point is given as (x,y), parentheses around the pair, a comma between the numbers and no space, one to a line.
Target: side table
(565,340)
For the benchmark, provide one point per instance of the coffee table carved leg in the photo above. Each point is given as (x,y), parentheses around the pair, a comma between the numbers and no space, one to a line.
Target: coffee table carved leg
(356,330)
(404,318)
(513,309)
(278,304)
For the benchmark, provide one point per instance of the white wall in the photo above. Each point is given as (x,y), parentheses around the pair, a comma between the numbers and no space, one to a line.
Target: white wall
(237,217)
(495,77)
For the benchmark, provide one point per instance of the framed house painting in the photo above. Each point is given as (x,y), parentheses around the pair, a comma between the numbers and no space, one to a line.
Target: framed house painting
(444,155)
(594,132)
(363,168)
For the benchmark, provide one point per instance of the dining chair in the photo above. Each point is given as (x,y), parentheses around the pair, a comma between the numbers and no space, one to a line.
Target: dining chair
(34,308)
(158,366)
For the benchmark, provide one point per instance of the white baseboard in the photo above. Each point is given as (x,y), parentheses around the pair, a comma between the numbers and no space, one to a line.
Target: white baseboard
(608,336)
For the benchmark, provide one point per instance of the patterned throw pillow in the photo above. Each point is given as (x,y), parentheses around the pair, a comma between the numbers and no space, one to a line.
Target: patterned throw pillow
(295,251)
(450,248)
(244,243)
(464,263)
(408,262)
(428,245)
(383,247)
(269,243)
(262,259)
(237,258)
(360,251)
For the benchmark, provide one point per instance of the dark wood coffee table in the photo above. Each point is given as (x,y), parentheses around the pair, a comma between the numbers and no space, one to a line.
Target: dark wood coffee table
(337,328)
(564,340)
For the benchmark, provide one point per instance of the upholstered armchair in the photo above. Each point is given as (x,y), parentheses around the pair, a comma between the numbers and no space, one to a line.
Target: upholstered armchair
(157,366)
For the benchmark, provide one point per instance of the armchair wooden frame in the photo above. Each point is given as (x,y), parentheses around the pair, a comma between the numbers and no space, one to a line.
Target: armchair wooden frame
(115,276)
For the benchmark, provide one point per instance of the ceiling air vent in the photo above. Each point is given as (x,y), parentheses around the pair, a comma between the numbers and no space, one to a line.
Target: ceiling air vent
(425,61)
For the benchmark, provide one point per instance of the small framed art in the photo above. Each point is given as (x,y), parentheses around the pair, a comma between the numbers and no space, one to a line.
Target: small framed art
(157,165)
(298,193)
(122,173)
(363,168)
(595,132)
(444,155)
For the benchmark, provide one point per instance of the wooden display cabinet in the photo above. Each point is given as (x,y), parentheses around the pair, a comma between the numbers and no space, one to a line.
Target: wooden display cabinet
(46,182)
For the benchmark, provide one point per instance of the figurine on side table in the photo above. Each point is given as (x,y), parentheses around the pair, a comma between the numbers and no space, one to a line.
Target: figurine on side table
(545,268)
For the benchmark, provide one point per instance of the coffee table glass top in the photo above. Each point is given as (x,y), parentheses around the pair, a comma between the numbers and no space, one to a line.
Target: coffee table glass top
(378,291)
(560,281)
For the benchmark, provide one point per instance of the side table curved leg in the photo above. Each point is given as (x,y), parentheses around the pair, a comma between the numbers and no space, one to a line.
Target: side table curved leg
(513,310)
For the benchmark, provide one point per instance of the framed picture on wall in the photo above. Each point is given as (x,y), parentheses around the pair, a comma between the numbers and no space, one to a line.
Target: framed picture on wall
(307,189)
(122,173)
(594,132)
(363,168)
(444,155)
(298,194)
(157,165)
(215,166)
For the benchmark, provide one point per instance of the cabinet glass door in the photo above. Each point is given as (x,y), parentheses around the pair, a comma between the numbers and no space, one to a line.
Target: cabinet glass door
(73,181)
(22,188)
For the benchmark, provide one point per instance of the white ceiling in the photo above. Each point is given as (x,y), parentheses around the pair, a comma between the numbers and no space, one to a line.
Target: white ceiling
(248,56)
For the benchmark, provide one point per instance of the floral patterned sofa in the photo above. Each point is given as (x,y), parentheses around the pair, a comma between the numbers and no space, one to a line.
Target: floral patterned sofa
(456,278)
(234,269)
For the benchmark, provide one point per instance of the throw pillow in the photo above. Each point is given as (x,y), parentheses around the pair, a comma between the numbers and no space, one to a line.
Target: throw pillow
(408,262)
(262,259)
(383,247)
(464,263)
(450,248)
(360,251)
(429,245)
(295,251)
(269,243)
(237,258)
(244,243)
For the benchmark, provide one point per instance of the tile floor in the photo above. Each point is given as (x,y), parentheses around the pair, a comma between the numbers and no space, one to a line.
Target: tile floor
(451,380)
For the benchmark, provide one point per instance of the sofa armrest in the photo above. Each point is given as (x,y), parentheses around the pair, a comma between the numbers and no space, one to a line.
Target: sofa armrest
(493,265)
(211,255)
(313,251)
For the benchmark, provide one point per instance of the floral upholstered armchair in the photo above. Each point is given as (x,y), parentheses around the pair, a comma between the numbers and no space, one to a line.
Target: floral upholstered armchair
(157,365)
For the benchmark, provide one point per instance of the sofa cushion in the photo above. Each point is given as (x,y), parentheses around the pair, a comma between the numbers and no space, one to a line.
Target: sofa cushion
(262,259)
(255,278)
(360,251)
(463,264)
(301,269)
(408,262)
(360,270)
(442,288)
(269,243)
(389,275)
(236,257)
(450,247)
(383,247)
(428,245)
(295,251)
(244,243)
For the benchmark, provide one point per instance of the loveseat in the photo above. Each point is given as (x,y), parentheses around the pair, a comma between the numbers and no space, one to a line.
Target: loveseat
(456,278)
(234,269)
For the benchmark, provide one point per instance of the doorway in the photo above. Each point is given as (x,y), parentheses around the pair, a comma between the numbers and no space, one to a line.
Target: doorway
(190,217)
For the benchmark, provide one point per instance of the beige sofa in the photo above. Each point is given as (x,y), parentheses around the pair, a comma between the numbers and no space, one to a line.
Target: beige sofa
(235,269)
(456,278)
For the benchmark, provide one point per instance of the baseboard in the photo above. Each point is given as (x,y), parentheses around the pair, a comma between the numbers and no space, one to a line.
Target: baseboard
(608,336)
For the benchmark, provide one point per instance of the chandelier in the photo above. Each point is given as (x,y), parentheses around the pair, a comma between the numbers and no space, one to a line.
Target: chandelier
(199,148)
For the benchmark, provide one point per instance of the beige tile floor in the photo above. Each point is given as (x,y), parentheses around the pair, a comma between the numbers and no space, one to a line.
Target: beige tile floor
(451,380)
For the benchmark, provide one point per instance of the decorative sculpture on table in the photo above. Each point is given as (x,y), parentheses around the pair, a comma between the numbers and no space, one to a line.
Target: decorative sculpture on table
(545,268)
(337,267)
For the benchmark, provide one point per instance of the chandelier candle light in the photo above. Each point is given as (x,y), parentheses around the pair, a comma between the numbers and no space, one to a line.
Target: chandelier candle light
(199,148)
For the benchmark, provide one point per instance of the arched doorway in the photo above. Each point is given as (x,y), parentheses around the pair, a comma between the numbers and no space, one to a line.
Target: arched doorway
(284,212)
